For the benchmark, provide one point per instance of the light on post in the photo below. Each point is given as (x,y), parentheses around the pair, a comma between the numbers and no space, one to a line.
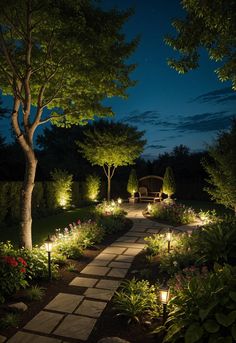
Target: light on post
(164,298)
(119,200)
(149,208)
(48,247)
(169,238)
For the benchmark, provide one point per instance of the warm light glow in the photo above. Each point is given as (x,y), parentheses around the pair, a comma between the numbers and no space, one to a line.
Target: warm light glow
(113,203)
(149,207)
(164,295)
(119,200)
(169,235)
(48,244)
(62,202)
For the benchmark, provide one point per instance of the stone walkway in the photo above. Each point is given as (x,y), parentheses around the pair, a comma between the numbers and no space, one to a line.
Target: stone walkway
(73,315)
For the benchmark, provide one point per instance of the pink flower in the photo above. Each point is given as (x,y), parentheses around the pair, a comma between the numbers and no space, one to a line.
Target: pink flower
(22,261)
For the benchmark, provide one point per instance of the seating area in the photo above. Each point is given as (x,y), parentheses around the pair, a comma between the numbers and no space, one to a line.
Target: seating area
(150,188)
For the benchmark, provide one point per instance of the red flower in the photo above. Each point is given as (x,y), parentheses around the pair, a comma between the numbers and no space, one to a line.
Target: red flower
(11,261)
(22,261)
(23,270)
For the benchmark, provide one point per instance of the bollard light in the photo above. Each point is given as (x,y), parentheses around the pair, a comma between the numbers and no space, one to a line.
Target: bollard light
(149,208)
(169,238)
(119,200)
(48,247)
(164,298)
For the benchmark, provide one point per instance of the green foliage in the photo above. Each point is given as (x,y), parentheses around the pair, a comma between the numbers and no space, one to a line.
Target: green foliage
(93,184)
(221,168)
(3,201)
(215,242)
(108,208)
(204,307)
(174,214)
(132,185)
(169,186)
(13,268)
(112,223)
(10,320)
(35,293)
(73,240)
(209,25)
(62,181)
(71,267)
(136,299)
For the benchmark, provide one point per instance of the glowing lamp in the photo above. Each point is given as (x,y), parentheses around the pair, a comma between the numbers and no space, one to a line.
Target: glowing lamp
(119,200)
(164,295)
(149,207)
(168,238)
(48,247)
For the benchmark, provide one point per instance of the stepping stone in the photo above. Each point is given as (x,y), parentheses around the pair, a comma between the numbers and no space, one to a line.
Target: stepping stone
(64,302)
(95,270)
(100,294)
(101,263)
(153,231)
(113,250)
(25,337)
(118,272)
(44,322)
(141,240)
(129,245)
(91,308)
(83,282)
(105,257)
(77,327)
(132,251)
(2,339)
(108,284)
(136,234)
(125,265)
(127,239)
(138,229)
(124,258)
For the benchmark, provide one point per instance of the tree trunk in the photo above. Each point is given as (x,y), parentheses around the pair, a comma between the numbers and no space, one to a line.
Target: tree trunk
(109,183)
(26,200)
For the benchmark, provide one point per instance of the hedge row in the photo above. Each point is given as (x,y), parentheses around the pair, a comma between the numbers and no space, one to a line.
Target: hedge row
(43,202)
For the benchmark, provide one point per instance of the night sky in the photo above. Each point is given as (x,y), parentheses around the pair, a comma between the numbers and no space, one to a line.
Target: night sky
(172,109)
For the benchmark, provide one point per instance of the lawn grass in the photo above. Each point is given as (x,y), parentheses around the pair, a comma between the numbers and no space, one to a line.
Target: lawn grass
(42,227)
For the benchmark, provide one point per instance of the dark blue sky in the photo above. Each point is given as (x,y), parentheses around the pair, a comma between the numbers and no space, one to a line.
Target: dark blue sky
(173,109)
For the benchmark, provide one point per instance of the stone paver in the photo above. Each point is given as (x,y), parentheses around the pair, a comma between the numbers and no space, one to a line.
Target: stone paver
(115,264)
(127,239)
(44,322)
(136,234)
(25,337)
(98,262)
(118,272)
(138,229)
(75,326)
(132,251)
(83,282)
(124,258)
(95,270)
(108,284)
(64,302)
(114,250)
(128,245)
(105,257)
(100,294)
(91,308)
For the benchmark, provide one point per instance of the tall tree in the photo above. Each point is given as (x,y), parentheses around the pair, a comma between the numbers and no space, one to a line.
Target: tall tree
(64,57)
(132,185)
(221,168)
(111,145)
(210,25)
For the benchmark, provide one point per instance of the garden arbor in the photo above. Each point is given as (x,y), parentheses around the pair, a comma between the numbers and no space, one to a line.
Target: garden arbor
(48,60)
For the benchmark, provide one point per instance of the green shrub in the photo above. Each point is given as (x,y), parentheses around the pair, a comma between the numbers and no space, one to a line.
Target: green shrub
(10,320)
(62,182)
(14,200)
(93,183)
(132,185)
(3,201)
(38,202)
(112,224)
(108,208)
(35,293)
(13,268)
(73,240)
(169,186)
(136,299)
(174,214)
(203,308)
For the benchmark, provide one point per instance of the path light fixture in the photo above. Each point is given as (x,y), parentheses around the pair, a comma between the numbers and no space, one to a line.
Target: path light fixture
(149,207)
(119,200)
(48,247)
(169,238)
(164,298)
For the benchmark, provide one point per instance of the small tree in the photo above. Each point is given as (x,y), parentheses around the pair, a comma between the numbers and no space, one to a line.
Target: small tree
(221,168)
(93,183)
(132,185)
(169,186)
(111,145)
(62,187)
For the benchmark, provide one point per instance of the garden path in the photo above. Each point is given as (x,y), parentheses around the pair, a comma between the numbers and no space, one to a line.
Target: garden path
(71,317)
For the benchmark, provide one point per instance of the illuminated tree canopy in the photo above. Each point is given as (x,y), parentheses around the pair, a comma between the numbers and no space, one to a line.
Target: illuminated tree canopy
(210,25)
(111,145)
(66,56)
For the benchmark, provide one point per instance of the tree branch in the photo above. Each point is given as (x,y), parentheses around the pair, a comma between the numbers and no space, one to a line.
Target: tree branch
(105,170)
(113,171)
